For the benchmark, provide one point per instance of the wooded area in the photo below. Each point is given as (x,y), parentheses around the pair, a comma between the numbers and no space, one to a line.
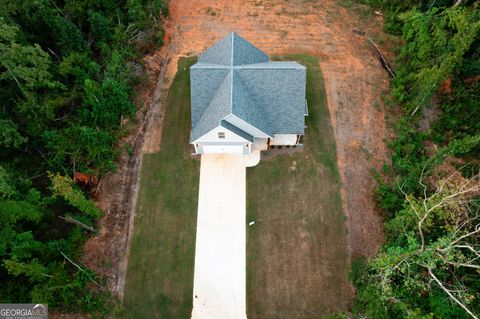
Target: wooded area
(67,73)
(430,264)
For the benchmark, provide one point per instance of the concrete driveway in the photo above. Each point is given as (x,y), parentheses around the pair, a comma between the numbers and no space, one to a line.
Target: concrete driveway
(219,290)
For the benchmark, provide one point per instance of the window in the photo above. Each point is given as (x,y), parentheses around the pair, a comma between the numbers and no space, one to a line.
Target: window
(221,134)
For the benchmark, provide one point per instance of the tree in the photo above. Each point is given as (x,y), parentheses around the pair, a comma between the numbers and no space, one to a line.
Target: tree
(105,105)
(81,147)
(433,250)
(100,27)
(64,187)
(66,83)
(26,65)
(77,67)
(9,135)
(436,42)
(68,37)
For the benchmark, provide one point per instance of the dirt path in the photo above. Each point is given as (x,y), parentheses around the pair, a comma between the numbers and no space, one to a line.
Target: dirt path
(107,252)
(354,83)
(354,80)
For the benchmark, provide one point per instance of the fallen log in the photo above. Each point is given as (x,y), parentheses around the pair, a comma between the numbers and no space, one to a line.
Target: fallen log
(72,220)
(472,79)
(78,267)
(384,62)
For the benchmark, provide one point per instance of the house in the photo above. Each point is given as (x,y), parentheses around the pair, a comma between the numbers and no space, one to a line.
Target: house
(242,101)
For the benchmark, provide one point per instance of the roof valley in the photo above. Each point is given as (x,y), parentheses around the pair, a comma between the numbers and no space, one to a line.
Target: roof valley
(268,95)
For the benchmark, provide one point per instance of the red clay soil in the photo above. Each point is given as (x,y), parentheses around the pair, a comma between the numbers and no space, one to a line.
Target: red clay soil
(354,82)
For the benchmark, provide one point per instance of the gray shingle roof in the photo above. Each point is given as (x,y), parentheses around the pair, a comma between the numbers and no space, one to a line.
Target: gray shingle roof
(210,91)
(234,77)
(233,50)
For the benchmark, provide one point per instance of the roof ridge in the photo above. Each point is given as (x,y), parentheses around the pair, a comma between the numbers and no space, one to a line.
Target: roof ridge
(213,96)
(231,72)
(265,94)
(210,104)
(206,65)
(232,35)
(253,96)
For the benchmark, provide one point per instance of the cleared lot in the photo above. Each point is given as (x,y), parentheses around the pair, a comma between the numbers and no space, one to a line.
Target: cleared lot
(354,79)
(297,259)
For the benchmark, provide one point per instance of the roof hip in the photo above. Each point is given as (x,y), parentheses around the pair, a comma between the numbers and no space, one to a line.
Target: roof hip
(268,95)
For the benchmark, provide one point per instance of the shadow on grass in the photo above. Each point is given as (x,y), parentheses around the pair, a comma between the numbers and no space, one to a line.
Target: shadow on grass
(159,280)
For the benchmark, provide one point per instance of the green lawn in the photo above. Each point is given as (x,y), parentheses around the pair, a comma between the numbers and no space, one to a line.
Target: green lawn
(159,281)
(297,260)
(296,251)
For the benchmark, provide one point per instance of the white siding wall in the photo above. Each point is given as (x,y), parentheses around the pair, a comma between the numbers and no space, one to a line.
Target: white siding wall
(260,144)
(284,139)
(232,143)
(212,136)
(222,149)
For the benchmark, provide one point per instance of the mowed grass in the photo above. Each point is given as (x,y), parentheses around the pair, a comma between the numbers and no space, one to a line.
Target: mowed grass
(159,281)
(297,260)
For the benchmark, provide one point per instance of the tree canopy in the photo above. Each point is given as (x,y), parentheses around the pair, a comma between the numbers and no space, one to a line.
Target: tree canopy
(66,83)
(430,193)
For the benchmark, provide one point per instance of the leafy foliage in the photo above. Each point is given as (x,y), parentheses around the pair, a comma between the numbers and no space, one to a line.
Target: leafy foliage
(66,83)
(64,187)
(432,248)
(9,135)
(424,269)
(104,105)
(435,44)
